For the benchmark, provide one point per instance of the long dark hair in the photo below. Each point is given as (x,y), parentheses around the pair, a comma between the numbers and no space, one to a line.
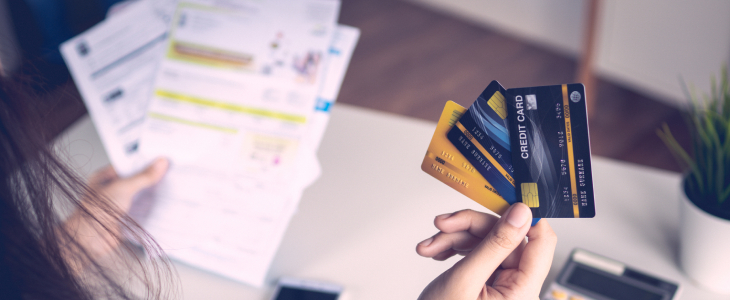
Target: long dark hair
(39,257)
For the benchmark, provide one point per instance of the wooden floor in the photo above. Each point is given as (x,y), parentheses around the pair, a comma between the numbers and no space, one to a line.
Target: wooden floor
(411,59)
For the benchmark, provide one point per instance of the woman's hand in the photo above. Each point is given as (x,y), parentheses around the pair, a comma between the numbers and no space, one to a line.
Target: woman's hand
(498,263)
(121,191)
(88,230)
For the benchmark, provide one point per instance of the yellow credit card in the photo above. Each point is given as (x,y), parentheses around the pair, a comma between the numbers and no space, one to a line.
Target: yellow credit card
(445,163)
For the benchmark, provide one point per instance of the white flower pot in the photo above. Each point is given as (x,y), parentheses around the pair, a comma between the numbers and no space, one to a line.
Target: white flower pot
(704,252)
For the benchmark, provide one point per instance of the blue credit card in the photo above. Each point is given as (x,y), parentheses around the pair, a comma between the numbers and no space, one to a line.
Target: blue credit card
(486,122)
(481,136)
(551,155)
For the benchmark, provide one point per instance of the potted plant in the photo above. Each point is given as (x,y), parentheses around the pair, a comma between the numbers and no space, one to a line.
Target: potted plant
(704,252)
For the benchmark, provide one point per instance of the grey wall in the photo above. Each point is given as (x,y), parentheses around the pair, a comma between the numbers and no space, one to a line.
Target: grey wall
(646,44)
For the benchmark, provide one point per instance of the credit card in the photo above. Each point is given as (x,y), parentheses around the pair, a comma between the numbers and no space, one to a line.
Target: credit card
(551,155)
(445,163)
(481,136)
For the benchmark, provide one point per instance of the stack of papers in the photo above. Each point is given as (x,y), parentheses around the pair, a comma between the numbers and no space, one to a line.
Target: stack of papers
(237,95)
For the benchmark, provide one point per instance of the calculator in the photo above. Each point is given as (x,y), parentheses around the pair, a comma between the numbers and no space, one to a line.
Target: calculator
(589,276)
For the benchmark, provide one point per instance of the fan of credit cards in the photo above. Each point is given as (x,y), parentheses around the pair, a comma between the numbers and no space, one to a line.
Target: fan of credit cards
(523,144)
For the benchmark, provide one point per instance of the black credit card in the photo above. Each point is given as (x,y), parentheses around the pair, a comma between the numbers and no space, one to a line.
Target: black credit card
(551,155)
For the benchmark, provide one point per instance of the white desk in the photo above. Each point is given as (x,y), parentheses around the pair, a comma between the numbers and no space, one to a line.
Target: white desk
(358,225)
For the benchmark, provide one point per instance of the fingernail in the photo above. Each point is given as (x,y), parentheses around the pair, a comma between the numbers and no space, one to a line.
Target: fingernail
(426,242)
(518,215)
(444,216)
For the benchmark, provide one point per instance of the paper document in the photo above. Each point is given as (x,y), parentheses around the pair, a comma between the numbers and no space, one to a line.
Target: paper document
(338,58)
(113,65)
(230,107)
(237,95)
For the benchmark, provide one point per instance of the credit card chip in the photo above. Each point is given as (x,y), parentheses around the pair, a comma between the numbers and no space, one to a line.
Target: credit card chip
(529,194)
(496,102)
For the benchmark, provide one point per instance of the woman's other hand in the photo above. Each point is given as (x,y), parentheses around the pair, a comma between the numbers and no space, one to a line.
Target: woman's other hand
(498,263)
(121,191)
(94,234)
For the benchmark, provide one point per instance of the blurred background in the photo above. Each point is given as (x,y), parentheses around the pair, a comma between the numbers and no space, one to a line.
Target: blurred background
(414,55)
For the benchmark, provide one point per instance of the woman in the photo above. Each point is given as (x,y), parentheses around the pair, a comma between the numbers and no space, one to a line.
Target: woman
(46,256)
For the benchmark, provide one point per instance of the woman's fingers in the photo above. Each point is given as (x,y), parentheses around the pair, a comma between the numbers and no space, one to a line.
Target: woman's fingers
(460,233)
(513,259)
(445,245)
(496,254)
(476,223)
(467,277)
(525,281)
(538,254)
(122,190)
(102,177)
(148,177)
(445,255)
(452,243)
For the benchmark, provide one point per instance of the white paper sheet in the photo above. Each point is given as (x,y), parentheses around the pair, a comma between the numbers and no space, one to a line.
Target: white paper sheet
(113,65)
(338,59)
(231,106)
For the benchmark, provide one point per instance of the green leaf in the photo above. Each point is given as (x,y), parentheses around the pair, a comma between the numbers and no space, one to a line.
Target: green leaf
(713,91)
(725,93)
(701,134)
(724,195)
(715,164)
(679,153)
(708,121)
(726,142)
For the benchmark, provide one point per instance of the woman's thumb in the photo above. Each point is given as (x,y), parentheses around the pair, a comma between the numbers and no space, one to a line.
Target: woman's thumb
(148,177)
